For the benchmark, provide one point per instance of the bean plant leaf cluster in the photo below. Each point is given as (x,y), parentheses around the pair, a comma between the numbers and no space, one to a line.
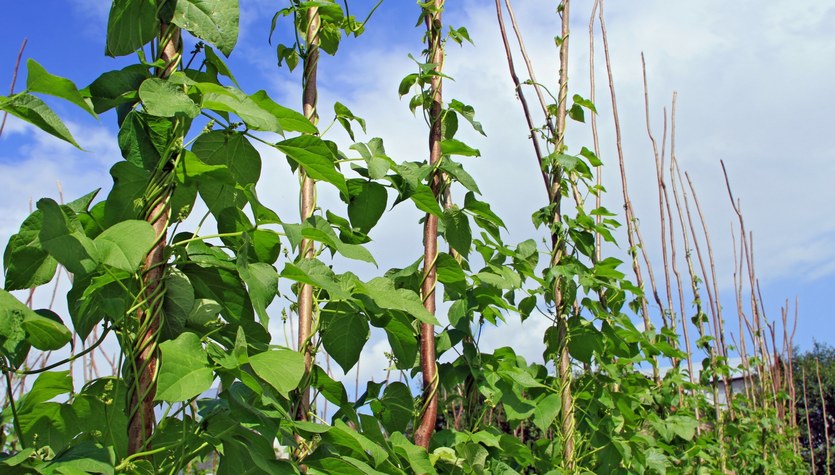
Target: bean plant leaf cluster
(194,312)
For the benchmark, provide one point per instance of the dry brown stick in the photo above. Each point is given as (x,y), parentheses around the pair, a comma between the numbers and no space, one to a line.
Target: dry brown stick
(791,371)
(809,433)
(712,299)
(719,322)
(758,314)
(307,206)
(520,94)
(594,135)
(676,173)
(631,225)
(429,369)
(674,261)
(770,362)
(711,346)
(746,257)
(14,80)
(659,176)
(741,349)
(537,87)
(825,418)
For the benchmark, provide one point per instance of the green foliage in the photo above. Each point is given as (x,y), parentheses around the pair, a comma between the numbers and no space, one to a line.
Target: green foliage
(499,413)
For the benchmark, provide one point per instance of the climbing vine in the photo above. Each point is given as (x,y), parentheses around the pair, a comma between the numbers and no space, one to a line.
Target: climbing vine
(182,262)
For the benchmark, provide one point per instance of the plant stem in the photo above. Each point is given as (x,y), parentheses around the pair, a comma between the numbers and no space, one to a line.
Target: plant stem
(562,307)
(308,204)
(145,354)
(429,414)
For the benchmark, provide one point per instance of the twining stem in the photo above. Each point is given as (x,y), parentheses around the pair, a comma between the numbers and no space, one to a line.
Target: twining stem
(562,307)
(146,351)
(308,203)
(423,433)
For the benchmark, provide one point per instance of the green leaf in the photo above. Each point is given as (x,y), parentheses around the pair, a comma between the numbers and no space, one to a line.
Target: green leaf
(579,100)
(224,287)
(215,62)
(165,99)
(383,293)
(584,340)
(215,21)
(261,280)
(482,210)
(576,112)
(48,385)
(132,24)
(341,435)
(406,84)
(520,377)
(124,245)
(457,147)
(243,161)
(280,368)
(500,277)
(234,151)
(457,230)
(191,170)
(26,264)
(177,304)
(116,87)
(397,408)
(318,229)
(35,111)
(466,111)
(84,457)
(144,139)
(64,239)
(39,80)
(289,119)
(546,411)
(426,201)
(314,272)
(345,116)
(45,330)
(683,426)
(316,157)
(93,298)
(416,456)
(103,396)
(125,200)
(331,389)
(19,323)
(185,372)
(231,99)
(457,171)
(263,215)
(344,334)
(403,340)
(366,203)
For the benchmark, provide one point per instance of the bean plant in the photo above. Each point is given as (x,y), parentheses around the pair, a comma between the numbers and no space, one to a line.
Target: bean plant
(188,295)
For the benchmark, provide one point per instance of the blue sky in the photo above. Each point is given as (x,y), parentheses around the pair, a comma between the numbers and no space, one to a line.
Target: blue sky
(754,90)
